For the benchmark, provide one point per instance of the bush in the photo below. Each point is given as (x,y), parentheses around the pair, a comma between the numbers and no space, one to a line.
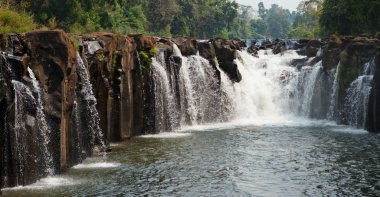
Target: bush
(13,22)
(300,32)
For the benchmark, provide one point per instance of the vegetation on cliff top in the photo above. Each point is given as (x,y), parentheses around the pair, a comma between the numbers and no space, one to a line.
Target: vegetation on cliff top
(194,18)
(13,22)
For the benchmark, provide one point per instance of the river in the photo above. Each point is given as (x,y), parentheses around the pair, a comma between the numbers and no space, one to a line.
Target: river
(293,158)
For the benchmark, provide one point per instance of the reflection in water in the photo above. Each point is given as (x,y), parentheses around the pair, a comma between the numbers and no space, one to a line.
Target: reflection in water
(236,161)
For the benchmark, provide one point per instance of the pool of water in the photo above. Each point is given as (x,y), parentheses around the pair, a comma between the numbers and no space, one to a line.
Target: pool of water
(317,159)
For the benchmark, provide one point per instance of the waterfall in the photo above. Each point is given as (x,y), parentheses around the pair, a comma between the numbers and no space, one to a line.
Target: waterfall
(271,90)
(24,131)
(165,105)
(302,90)
(86,97)
(256,97)
(42,124)
(357,98)
(20,128)
(186,95)
(334,96)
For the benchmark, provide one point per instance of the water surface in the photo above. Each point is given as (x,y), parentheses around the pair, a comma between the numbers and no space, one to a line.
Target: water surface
(313,159)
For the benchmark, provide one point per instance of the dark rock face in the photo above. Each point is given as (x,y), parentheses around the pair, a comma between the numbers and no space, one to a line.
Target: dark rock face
(301,44)
(312,48)
(207,50)
(253,50)
(54,65)
(111,68)
(187,46)
(279,47)
(374,101)
(51,56)
(226,54)
(352,60)
(331,55)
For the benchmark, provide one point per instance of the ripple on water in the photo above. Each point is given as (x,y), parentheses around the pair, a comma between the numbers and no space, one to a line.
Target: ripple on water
(350,130)
(167,135)
(97,165)
(46,183)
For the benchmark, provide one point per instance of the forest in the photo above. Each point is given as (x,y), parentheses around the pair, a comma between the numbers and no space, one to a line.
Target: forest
(200,19)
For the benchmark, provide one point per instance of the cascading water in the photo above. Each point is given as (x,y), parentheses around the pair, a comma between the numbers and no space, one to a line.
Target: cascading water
(270,90)
(86,97)
(306,92)
(42,124)
(24,119)
(185,96)
(334,96)
(356,101)
(198,90)
(165,105)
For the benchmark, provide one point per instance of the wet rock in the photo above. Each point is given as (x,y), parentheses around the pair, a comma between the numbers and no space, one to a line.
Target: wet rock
(226,52)
(253,50)
(232,71)
(207,50)
(312,48)
(279,47)
(111,70)
(53,60)
(298,63)
(187,46)
(167,45)
(301,44)
(374,101)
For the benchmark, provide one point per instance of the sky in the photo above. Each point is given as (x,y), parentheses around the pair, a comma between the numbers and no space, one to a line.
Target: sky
(286,4)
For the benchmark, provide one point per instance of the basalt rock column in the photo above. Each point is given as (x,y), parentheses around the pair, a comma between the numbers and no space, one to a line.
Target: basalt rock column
(111,60)
(226,54)
(374,103)
(53,60)
(143,99)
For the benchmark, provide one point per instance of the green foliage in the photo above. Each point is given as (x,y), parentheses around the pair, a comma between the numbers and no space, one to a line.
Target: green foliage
(348,72)
(195,18)
(301,32)
(114,59)
(260,27)
(146,60)
(13,22)
(274,22)
(278,21)
(350,17)
(153,51)
(74,41)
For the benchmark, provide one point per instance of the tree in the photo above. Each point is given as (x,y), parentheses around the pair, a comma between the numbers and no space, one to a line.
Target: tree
(278,21)
(305,23)
(262,10)
(350,17)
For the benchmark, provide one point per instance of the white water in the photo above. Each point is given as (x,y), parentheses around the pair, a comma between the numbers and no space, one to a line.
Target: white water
(47,183)
(98,165)
(22,93)
(271,91)
(356,102)
(90,100)
(165,105)
(167,135)
(334,96)
(42,124)
(194,102)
